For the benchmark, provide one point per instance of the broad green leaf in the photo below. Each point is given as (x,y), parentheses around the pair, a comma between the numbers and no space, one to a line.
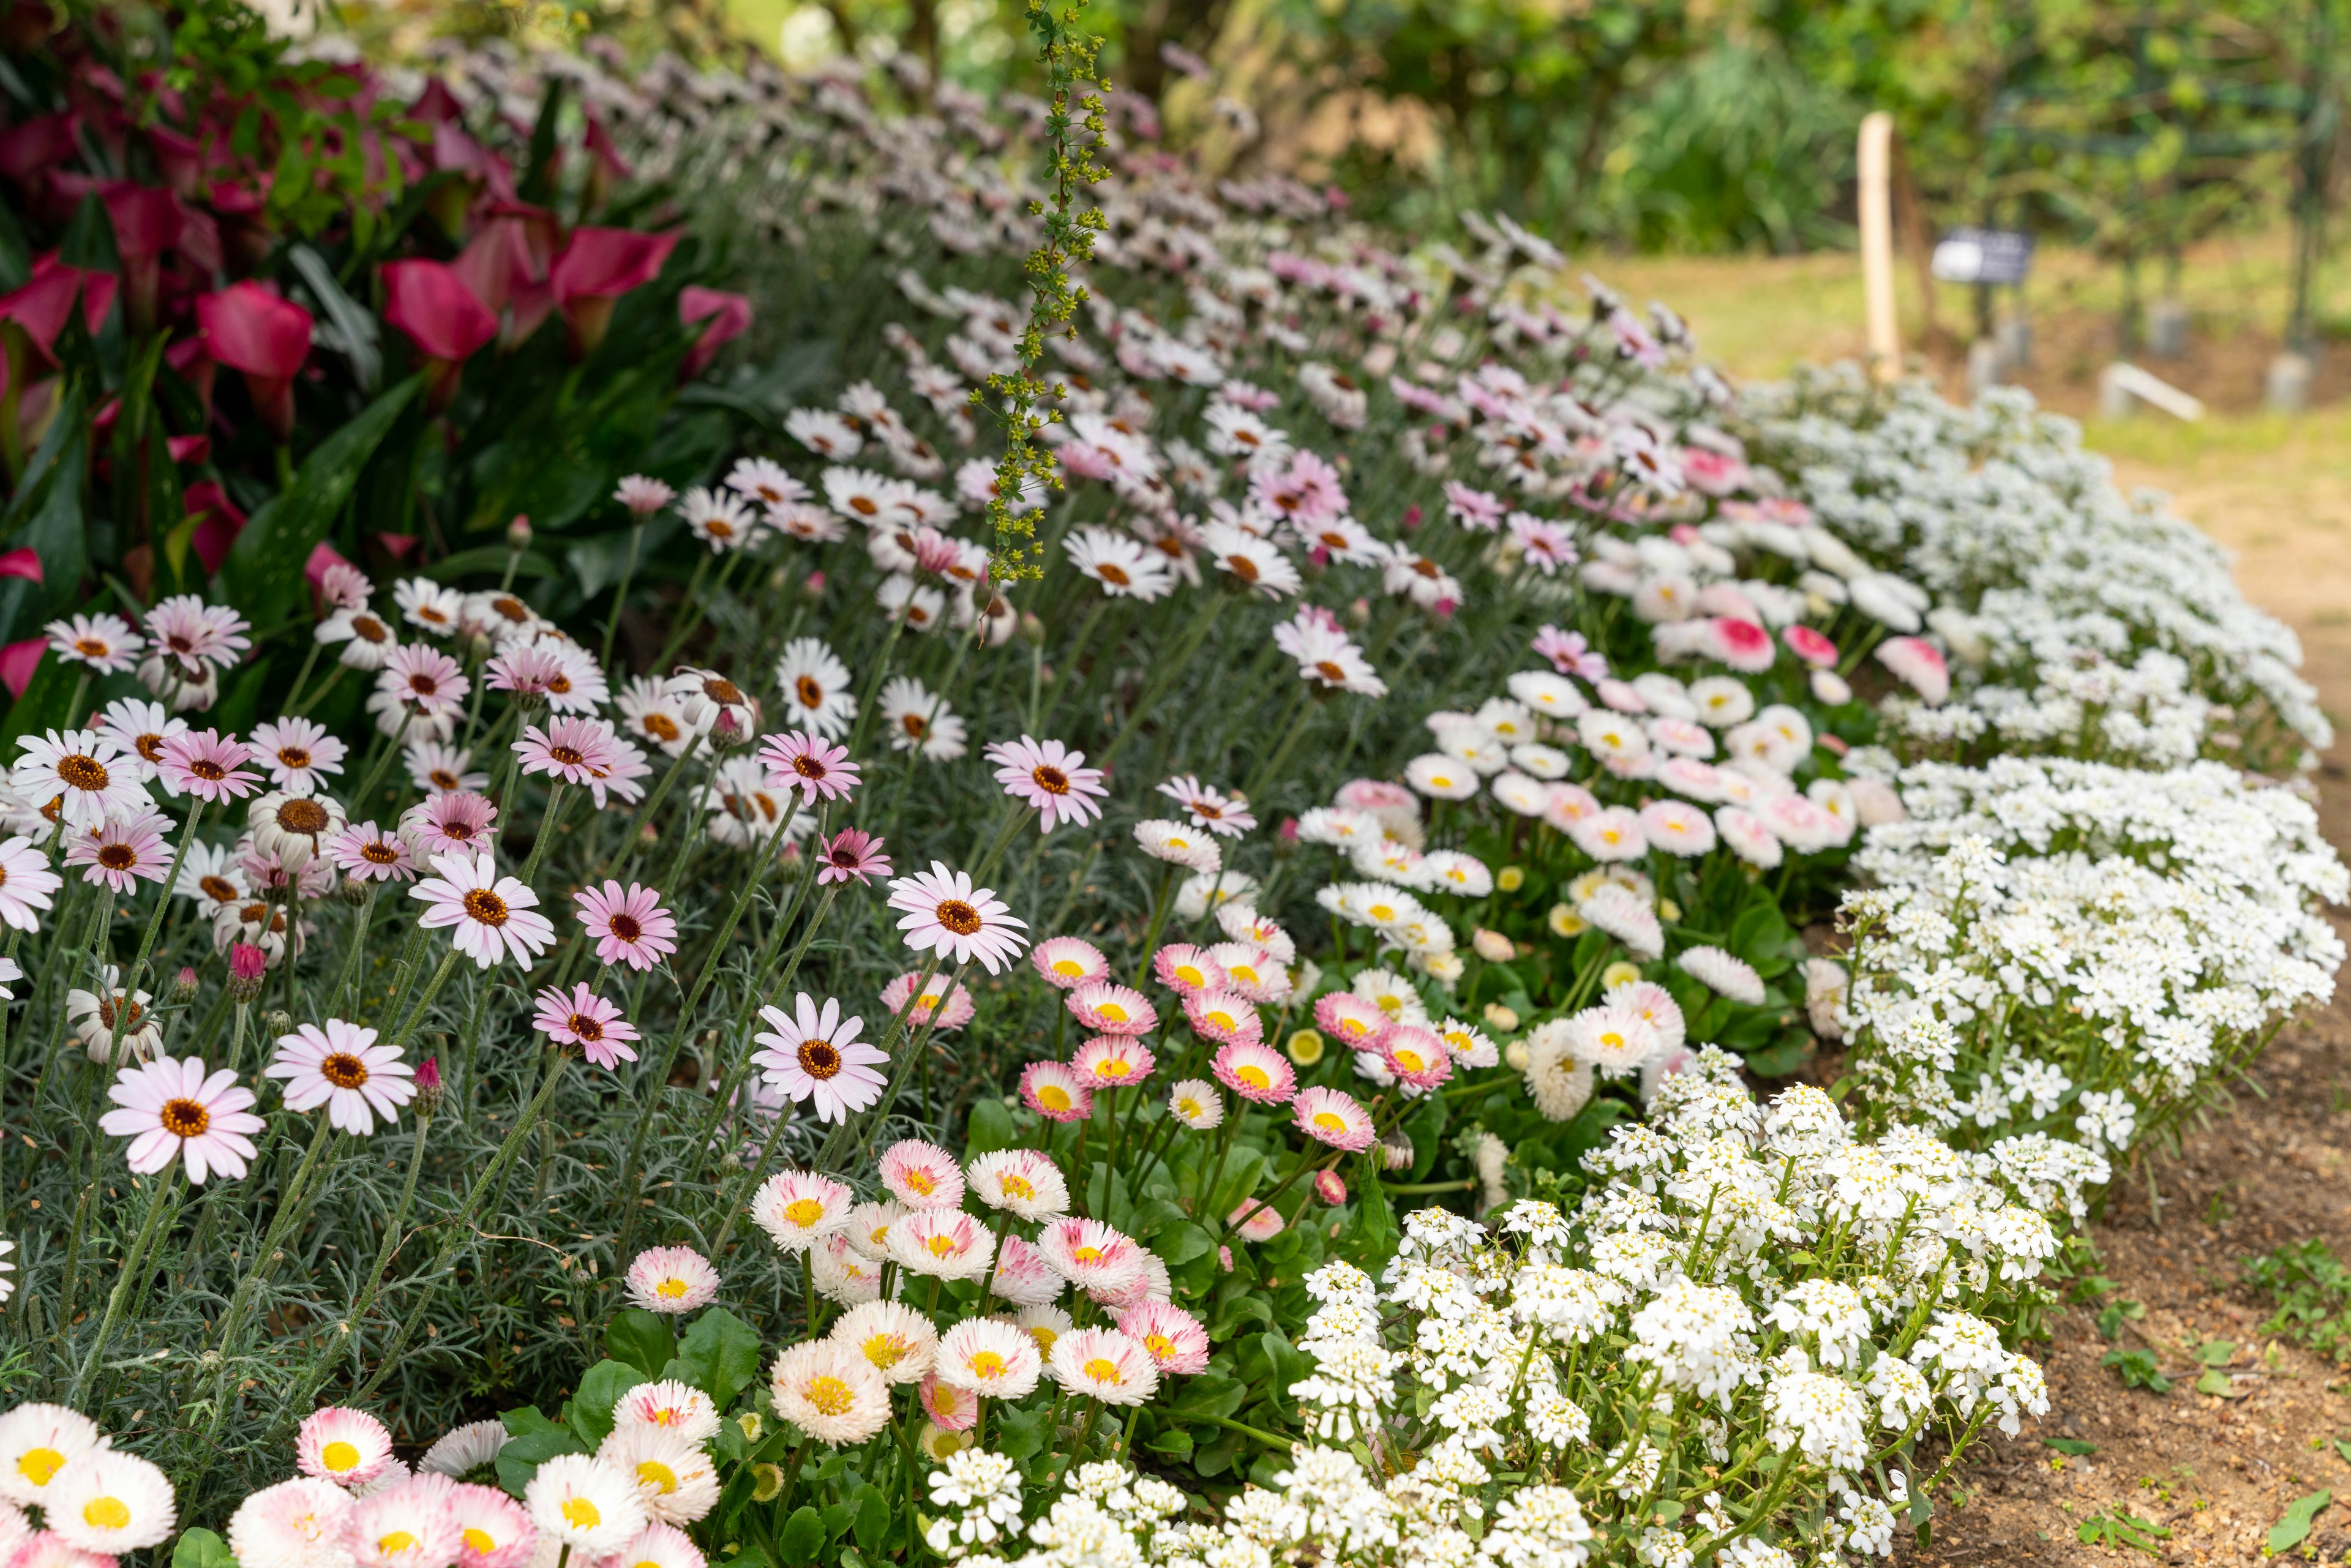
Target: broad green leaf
(590,1411)
(987,1129)
(801,1537)
(720,1356)
(534,1440)
(202,1548)
(874,1517)
(1188,1242)
(640,1339)
(2295,1528)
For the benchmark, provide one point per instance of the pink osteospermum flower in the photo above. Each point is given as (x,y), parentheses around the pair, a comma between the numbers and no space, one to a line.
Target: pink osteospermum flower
(121,854)
(582,751)
(942,911)
(946,1002)
(641,496)
(630,925)
(296,752)
(803,760)
(343,1067)
(672,1280)
(209,766)
(1067,962)
(459,823)
(527,669)
(1055,1092)
(587,1020)
(368,853)
(851,854)
(921,1175)
(1334,1118)
(1108,1008)
(26,883)
(1186,968)
(1256,1072)
(1228,816)
(1174,1337)
(1225,1015)
(814,1054)
(1050,777)
(104,643)
(489,917)
(172,1110)
(423,681)
(1112,1060)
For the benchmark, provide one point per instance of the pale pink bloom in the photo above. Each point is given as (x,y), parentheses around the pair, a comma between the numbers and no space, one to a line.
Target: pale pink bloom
(672,1280)
(1334,1118)
(1677,828)
(524,669)
(1112,1061)
(194,634)
(490,916)
(850,855)
(27,882)
(1749,839)
(989,1357)
(209,766)
(296,752)
(1225,1015)
(581,751)
(171,1110)
(643,496)
(943,911)
(1104,1365)
(441,769)
(493,1530)
(1255,1072)
(104,643)
(943,1243)
(1809,645)
(814,1054)
(798,1208)
(1612,833)
(630,927)
(1106,1007)
(803,760)
(1174,1337)
(1024,1182)
(1256,1221)
(1417,1057)
(295,1524)
(950,1409)
(1069,961)
(452,824)
(587,1020)
(921,1175)
(1919,665)
(1092,1255)
(338,1444)
(123,853)
(943,1001)
(1049,776)
(1570,654)
(367,854)
(1227,816)
(1055,1092)
(1723,973)
(1565,805)
(343,1067)
(1356,1022)
(1186,968)
(423,681)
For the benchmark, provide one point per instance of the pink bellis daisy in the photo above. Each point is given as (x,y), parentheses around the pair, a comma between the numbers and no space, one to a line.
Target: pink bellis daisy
(1049,776)
(941,911)
(798,1208)
(173,1110)
(1112,1061)
(1104,1365)
(210,767)
(1108,1008)
(340,1066)
(1023,1182)
(1186,968)
(1055,1092)
(630,925)
(672,1280)
(989,1357)
(587,1020)
(347,1447)
(489,917)
(851,854)
(1173,1337)
(1254,1072)
(803,760)
(1068,962)
(814,1054)
(1256,1221)
(1334,1118)
(1224,1016)
(921,1175)
(945,1002)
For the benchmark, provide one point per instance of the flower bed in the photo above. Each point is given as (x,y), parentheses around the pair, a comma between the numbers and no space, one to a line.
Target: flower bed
(735,1022)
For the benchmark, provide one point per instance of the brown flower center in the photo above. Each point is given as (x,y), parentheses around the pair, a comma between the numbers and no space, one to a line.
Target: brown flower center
(444,781)
(959,917)
(1112,573)
(368,629)
(149,746)
(294,757)
(571,757)
(811,694)
(914,724)
(485,906)
(343,1070)
(586,1027)
(819,1059)
(376,851)
(117,857)
(625,927)
(205,769)
(863,507)
(1050,779)
(659,726)
(1329,671)
(305,817)
(1240,566)
(82,772)
(219,889)
(184,1118)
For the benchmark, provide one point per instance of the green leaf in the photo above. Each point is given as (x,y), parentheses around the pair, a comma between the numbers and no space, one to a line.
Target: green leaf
(873,1518)
(353,330)
(2344,1449)
(1188,1242)
(2123,1530)
(640,1339)
(2213,1380)
(263,573)
(2295,1528)
(720,1356)
(534,1440)
(202,1548)
(1020,1431)
(2073,1446)
(590,1412)
(987,1129)
(2215,1352)
(2137,1369)
(801,1537)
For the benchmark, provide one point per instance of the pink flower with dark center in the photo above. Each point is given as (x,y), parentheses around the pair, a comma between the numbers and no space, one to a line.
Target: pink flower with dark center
(802,760)
(490,916)
(574,750)
(195,634)
(1227,816)
(296,751)
(172,1110)
(1050,777)
(423,681)
(630,925)
(368,853)
(122,854)
(210,765)
(528,669)
(1570,654)
(851,854)
(942,911)
(587,1020)
(450,823)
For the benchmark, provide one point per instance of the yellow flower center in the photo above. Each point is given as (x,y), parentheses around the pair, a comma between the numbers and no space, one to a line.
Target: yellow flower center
(1159,1344)
(1329,1122)
(39,1464)
(106,1514)
(582,1514)
(885,1350)
(478,1540)
(673,1289)
(804,1212)
(921,1181)
(399,1540)
(1112,1012)
(1254,1077)
(1101,1369)
(1019,1186)
(987,1364)
(940,1246)
(1068,968)
(339,1456)
(1053,1097)
(658,1476)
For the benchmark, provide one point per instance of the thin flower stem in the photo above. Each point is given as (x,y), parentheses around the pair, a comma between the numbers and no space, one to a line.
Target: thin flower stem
(557,794)
(289,1214)
(693,601)
(354,1323)
(416,1015)
(119,1296)
(155,924)
(366,791)
(620,594)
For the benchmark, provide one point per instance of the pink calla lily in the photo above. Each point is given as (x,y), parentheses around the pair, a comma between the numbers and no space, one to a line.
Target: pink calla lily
(252,330)
(594,268)
(728,317)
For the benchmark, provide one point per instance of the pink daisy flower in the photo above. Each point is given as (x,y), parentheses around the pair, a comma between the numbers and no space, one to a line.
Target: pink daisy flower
(1104,1365)
(1091,1255)
(1334,1118)
(921,1175)
(1055,1092)
(195,634)
(1174,1337)
(423,681)
(1224,1016)
(942,911)
(121,854)
(587,1020)
(1049,776)
(489,917)
(343,1067)
(1186,968)
(296,752)
(943,1001)
(338,1444)
(951,1409)
(26,883)
(802,760)
(1570,654)
(1108,1008)
(1112,1060)
(1069,961)
(1417,1056)
(527,670)
(368,853)
(1255,1072)
(574,750)
(452,824)
(1256,1221)
(672,1280)
(172,1110)
(1228,816)
(209,766)
(814,1054)
(1254,971)
(630,927)
(104,643)
(1810,646)
(1023,1278)
(1353,1021)
(851,854)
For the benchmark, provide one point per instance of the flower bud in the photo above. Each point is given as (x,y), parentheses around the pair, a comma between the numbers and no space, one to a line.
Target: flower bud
(1511,878)
(812,585)
(357,894)
(1491,945)
(1397,1152)
(1032,630)
(246,963)
(1619,972)
(428,1086)
(1501,1017)
(184,987)
(1224,1258)
(276,1023)
(1331,1188)
(519,533)
(1515,1056)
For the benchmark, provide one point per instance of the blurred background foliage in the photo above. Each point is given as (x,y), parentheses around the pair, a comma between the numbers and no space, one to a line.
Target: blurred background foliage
(2132,126)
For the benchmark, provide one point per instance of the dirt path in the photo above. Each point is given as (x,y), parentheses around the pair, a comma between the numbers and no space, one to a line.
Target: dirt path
(2215,1472)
